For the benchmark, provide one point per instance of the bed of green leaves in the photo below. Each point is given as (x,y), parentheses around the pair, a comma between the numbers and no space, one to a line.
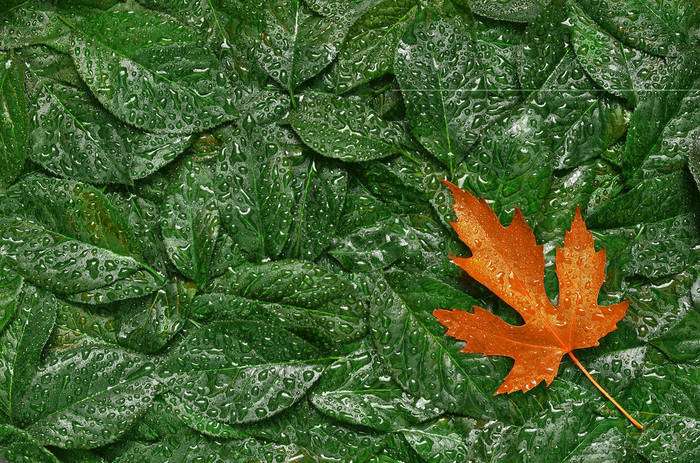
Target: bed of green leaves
(223,232)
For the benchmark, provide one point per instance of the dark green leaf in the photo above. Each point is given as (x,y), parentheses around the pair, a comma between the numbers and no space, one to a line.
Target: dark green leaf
(453,85)
(354,390)
(135,61)
(74,137)
(307,299)
(368,51)
(21,343)
(655,26)
(87,396)
(14,122)
(17,446)
(191,222)
(253,186)
(238,372)
(340,128)
(297,44)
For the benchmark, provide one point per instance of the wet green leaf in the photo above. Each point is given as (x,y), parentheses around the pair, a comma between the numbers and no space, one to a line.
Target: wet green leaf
(340,128)
(191,222)
(238,372)
(134,61)
(296,43)
(453,85)
(21,344)
(14,122)
(310,301)
(87,396)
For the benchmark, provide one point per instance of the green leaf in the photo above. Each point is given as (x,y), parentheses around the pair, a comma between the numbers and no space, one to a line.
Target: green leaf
(544,43)
(512,166)
(509,10)
(134,61)
(651,200)
(87,396)
(238,372)
(74,137)
(340,128)
(320,188)
(148,324)
(185,447)
(78,240)
(28,22)
(453,85)
(14,123)
(310,301)
(623,71)
(654,26)
(253,186)
(10,287)
(423,361)
(21,344)
(666,400)
(368,51)
(354,390)
(191,222)
(565,194)
(663,129)
(17,446)
(297,44)
(682,342)
(317,434)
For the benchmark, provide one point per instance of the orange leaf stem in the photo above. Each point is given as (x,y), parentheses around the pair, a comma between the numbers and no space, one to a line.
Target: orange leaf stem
(604,392)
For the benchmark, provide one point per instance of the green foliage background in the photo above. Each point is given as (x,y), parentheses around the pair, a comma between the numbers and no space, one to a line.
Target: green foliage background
(223,232)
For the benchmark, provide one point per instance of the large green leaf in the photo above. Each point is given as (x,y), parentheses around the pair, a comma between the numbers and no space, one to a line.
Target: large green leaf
(343,129)
(134,61)
(566,121)
(238,372)
(310,301)
(297,44)
(253,186)
(87,396)
(17,446)
(656,26)
(14,120)
(21,344)
(191,222)
(453,85)
(76,239)
(73,136)
(368,51)
(354,389)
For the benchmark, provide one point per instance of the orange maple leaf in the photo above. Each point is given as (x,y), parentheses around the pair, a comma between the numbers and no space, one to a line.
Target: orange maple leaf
(508,261)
